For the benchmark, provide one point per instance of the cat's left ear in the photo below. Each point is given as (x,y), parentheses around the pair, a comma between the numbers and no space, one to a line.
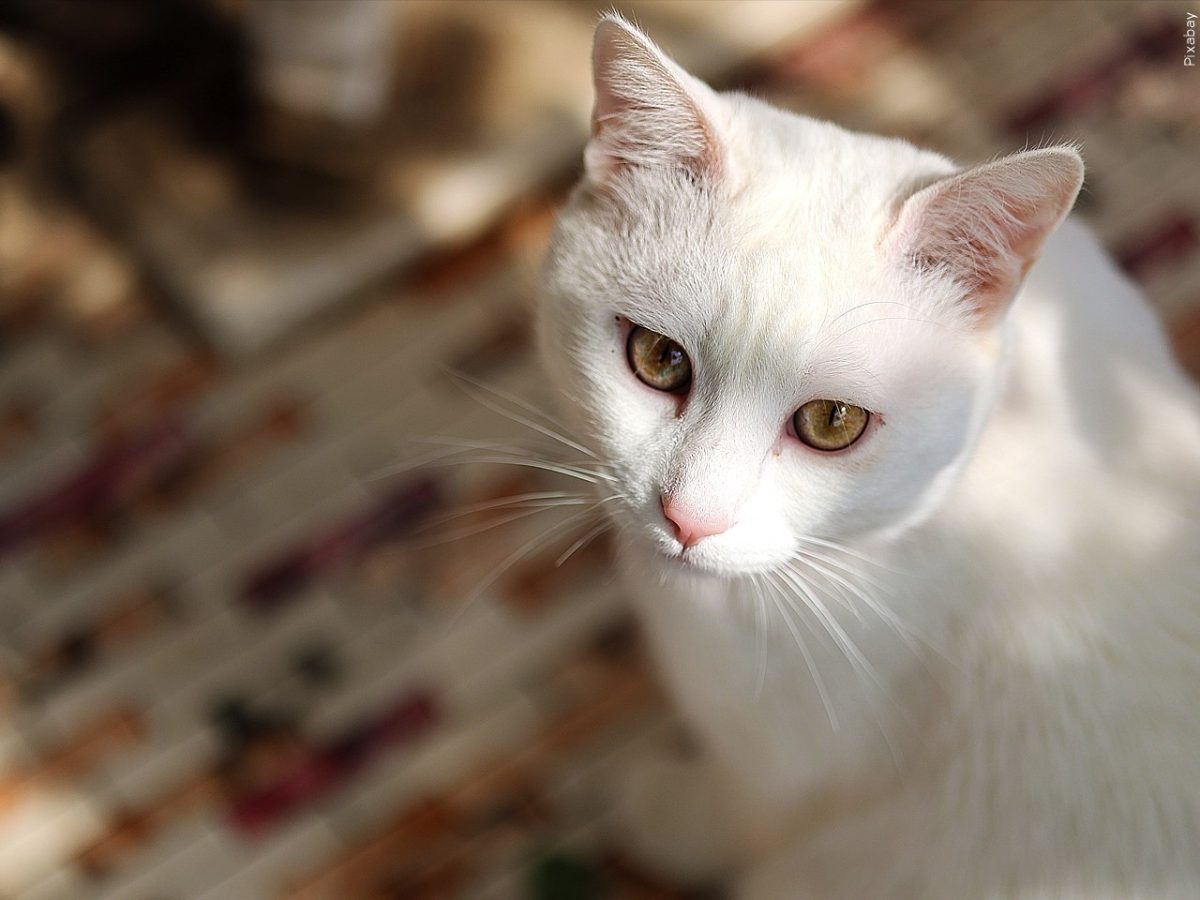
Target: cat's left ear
(985,227)
(648,111)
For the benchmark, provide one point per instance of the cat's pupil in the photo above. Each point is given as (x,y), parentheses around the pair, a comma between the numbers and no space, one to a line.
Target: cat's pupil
(657,360)
(829,424)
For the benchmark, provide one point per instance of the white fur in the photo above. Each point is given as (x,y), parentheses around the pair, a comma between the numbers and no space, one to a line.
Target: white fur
(990,689)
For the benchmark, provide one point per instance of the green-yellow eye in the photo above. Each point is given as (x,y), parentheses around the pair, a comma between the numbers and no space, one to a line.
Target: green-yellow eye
(830,424)
(657,360)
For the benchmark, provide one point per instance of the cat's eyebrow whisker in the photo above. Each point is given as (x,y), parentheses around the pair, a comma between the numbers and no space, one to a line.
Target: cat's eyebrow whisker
(923,319)
(471,387)
(778,593)
(859,306)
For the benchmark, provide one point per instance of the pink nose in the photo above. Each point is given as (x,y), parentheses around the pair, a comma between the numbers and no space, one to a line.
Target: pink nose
(690,528)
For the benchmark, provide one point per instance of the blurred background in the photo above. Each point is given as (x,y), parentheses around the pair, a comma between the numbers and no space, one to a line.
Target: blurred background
(271,624)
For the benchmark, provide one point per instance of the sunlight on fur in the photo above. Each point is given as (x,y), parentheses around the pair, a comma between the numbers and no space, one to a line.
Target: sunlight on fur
(954,657)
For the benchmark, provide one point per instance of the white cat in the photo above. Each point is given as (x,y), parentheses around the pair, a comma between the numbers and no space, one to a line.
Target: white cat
(913,524)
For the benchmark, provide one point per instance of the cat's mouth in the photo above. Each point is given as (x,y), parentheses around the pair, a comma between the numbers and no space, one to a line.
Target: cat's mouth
(686,559)
(696,559)
(693,564)
(705,560)
(714,556)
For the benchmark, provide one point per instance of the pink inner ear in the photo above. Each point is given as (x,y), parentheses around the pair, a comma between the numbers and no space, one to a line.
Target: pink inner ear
(646,111)
(985,227)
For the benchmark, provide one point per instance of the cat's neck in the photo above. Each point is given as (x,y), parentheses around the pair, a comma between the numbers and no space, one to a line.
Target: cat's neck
(1091,455)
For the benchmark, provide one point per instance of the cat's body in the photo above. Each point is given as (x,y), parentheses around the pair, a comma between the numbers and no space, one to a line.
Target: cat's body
(1045,742)
(957,659)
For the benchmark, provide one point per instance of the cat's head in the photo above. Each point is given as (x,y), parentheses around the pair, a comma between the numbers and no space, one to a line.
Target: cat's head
(776,331)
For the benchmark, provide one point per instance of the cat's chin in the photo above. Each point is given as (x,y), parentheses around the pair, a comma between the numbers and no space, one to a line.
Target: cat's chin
(688,563)
(656,549)
(703,565)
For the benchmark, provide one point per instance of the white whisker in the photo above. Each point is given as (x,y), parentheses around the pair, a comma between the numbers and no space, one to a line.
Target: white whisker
(516,500)
(513,558)
(471,530)
(779,592)
(465,380)
(842,548)
(528,463)
(846,593)
(859,306)
(584,465)
(922,319)
(583,542)
(858,662)
(853,655)
(760,636)
(421,462)
(822,565)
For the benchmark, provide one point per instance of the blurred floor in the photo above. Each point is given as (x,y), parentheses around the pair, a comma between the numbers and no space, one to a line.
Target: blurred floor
(242,656)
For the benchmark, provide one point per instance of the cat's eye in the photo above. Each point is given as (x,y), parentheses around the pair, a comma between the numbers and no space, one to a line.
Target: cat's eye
(657,360)
(830,424)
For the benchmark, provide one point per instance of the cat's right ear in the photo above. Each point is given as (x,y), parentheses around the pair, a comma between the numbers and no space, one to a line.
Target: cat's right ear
(985,227)
(648,111)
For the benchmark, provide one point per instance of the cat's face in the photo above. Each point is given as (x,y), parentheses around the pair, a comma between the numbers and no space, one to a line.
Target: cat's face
(760,321)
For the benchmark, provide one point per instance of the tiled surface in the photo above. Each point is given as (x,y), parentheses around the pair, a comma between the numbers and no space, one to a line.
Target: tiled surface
(236,662)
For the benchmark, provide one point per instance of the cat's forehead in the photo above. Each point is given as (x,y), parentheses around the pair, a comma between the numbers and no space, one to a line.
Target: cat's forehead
(802,216)
(785,304)
(761,266)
